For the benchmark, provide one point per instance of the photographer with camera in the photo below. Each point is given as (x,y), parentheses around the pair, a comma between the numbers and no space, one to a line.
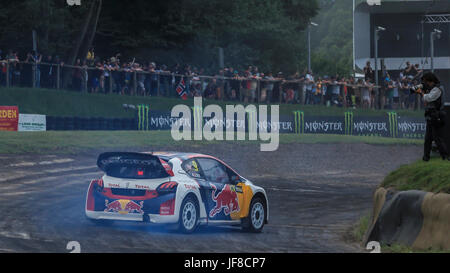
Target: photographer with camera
(432,95)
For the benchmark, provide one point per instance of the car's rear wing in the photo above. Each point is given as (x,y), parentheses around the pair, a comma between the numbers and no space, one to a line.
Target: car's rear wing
(133,165)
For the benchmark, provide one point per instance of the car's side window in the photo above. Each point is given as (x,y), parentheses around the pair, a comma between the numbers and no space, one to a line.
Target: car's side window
(214,171)
(191,168)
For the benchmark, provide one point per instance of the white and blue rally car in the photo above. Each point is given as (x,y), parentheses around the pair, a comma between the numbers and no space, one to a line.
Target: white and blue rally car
(186,189)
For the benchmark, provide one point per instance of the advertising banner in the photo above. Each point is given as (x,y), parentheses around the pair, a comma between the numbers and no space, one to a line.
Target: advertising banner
(32,123)
(390,125)
(9,118)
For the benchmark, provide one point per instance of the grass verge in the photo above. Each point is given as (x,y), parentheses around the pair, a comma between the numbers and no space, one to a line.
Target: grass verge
(432,176)
(77,141)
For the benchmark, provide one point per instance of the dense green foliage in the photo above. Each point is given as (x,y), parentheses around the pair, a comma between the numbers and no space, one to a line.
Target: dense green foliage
(266,33)
(332,42)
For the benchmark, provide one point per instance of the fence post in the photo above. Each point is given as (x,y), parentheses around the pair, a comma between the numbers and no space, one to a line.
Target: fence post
(222,87)
(258,90)
(157,86)
(134,83)
(300,93)
(240,90)
(58,77)
(280,89)
(7,73)
(201,86)
(33,75)
(85,81)
(110,82)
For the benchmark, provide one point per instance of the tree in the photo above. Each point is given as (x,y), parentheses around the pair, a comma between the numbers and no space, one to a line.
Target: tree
(332,40)
(266,33)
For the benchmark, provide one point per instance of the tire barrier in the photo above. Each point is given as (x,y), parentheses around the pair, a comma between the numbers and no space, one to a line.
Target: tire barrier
(90,124)
(417,219)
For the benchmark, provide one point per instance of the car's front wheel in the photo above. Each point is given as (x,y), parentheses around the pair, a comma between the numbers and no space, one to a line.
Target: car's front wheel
(189,214)
(256,216)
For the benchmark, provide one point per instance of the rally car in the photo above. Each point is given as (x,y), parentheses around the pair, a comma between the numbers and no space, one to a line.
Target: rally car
(184,189)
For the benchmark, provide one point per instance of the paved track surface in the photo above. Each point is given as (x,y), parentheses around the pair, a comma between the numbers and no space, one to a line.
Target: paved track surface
(316,192)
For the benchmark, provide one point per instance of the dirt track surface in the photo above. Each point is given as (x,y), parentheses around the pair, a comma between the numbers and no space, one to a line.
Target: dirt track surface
(316,192)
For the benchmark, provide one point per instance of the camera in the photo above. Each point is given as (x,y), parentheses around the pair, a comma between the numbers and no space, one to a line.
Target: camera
(416,89)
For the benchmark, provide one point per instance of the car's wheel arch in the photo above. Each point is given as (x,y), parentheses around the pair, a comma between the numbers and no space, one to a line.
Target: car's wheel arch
(263,197)
(191,193)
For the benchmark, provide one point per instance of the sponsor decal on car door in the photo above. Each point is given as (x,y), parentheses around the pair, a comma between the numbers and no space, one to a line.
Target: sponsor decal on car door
(226,201)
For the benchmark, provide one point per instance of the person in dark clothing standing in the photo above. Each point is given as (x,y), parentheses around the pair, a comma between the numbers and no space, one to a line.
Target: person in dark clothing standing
(432,96)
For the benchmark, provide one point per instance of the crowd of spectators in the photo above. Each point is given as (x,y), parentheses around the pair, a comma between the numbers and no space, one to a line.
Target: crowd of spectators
(91,74)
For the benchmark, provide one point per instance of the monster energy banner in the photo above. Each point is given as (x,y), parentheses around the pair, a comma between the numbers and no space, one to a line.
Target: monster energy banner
(299,122)
(391,125)
(197,114)
(143,112)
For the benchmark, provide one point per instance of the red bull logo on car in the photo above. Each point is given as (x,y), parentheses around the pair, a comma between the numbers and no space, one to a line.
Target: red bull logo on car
(123,206)
(226,199)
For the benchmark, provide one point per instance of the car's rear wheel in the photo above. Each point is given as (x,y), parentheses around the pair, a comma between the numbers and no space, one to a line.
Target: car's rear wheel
(256,216)
(189,214)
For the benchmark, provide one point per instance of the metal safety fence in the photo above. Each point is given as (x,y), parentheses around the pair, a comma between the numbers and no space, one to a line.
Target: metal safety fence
(136,82)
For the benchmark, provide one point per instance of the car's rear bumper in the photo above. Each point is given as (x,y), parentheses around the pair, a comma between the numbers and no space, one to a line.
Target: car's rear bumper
(102,215)
(152,218)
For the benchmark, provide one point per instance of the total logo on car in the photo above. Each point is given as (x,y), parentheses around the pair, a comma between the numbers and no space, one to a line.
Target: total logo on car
(185,189)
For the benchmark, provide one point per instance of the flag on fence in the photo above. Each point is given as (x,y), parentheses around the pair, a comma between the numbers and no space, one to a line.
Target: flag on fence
(181,89)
